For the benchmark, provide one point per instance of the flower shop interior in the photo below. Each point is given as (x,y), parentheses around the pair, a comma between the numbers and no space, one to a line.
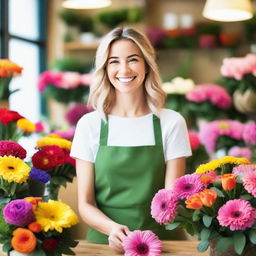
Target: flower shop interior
(206,53)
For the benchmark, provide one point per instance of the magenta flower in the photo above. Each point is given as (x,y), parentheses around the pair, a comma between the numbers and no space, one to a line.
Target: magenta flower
(142,243)
(12,148)
(164,206)
(18,212)
(240,152)
(68,135)
(243,169)
(76,111)
(249,134)
(194,140)
(249,181)
(211,131)
(214,93)
(237,214)
(187,185)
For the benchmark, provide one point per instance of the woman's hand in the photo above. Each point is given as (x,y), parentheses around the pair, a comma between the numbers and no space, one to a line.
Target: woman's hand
(116,237)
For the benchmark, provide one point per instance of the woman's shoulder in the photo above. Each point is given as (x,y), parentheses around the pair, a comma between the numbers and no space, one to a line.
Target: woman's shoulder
(169,115)
(90,118)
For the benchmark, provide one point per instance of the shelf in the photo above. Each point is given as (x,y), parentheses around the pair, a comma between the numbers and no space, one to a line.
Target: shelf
(76,46)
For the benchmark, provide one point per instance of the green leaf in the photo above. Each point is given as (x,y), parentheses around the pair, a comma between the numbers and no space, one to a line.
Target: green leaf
(39,252)
(207,220)
(205,234)
(184,212)
(224,243)
(239,242)
(7,247)
(196,215)
(172,226)
(66,250)
(246,197)
(203,246)
(13,188)
(218,191)
(252,236)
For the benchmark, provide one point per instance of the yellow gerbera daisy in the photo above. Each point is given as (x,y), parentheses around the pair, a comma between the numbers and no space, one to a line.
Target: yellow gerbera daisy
(13,169)
(55,215)
(50,140)
(217,163)
(25,125)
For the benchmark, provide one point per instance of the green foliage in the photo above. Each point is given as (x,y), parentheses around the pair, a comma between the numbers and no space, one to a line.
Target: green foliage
(225,142)
(209,29)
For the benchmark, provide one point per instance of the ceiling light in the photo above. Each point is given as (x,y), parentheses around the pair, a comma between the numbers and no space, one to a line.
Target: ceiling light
(86,4)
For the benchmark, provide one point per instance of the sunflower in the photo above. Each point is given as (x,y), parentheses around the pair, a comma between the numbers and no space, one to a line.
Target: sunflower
(13,169)
(55,215)
(52,140)
(25,125)
(217,163)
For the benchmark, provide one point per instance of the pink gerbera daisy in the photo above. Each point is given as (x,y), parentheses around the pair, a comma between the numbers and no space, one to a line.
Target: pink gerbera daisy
(164,206)
(243,169)
(249,181)
(142,243)
(188,185)
(237,214)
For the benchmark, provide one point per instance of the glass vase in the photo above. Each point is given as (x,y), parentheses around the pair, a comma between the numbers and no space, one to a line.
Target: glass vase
(15,253)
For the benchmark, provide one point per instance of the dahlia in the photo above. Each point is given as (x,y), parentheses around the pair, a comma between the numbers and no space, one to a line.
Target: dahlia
(12,148)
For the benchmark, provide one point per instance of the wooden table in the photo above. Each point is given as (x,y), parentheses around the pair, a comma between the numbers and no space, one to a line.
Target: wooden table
(170,248)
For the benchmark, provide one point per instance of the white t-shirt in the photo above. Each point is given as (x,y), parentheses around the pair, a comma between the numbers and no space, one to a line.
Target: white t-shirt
(131,131)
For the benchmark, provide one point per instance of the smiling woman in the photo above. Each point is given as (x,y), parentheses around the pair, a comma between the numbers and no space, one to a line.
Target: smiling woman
(130,147)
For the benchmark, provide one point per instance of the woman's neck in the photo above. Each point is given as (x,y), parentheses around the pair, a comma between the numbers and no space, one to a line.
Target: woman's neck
(130,106)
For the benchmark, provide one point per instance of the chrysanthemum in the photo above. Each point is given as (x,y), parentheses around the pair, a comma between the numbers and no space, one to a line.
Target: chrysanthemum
(142,243)
(55,215)
(25,125)
(50,140)
(164,206)
(217,163)
(12,148)
(187,185)
(237,214)
(243,169)
(13,169)
(36,174)
(249,181)
(18,212)
(48,157)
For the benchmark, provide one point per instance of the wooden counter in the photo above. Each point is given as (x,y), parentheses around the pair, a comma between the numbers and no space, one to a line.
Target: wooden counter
(170,248)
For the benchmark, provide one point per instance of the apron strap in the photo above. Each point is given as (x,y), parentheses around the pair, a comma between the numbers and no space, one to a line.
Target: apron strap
(157,132)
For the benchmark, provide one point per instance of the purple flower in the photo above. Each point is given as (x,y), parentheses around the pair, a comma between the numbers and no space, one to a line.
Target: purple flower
(187,185)
(18,212)
(164,206)
(36,174)
(249,134)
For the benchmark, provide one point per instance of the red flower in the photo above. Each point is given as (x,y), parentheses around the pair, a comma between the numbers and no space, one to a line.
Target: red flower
(194,140)
(69,159)
(7,116)
(48,157)
(50,245)
(12,148)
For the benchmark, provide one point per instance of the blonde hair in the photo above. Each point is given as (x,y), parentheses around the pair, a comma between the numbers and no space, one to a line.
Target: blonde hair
(102,93)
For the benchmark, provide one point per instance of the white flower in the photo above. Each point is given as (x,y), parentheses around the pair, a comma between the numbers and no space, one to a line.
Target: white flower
(178,85)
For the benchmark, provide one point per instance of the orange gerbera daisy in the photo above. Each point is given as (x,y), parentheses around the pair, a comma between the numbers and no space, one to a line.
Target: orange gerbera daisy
(9,68)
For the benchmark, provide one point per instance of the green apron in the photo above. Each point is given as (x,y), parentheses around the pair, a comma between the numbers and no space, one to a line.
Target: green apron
(126,180)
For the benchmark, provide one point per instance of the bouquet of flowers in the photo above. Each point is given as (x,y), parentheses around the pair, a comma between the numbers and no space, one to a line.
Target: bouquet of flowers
(8,70)
(222,134)
(199,153)
(54,159)
(208,100)
(65,87)
(13,126)
(31,225)
(217,202)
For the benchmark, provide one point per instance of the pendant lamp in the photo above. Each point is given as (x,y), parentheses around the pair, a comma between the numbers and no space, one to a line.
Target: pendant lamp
(86,4)
(228,10)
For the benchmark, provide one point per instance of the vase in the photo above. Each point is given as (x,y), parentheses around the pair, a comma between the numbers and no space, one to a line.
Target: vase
(250,250)
(245,102)
(15,253)
(36,188)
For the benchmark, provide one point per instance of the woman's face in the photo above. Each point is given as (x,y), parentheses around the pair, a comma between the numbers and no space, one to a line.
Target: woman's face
(126,68)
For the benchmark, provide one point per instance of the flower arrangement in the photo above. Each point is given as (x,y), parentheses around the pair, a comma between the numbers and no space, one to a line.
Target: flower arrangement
(139,243)
(222,134)
(239,73)
(208,100)
(54,159)
(217,203)
(8,70)
(199,153)
(13,126)
(31,225)
(65,87)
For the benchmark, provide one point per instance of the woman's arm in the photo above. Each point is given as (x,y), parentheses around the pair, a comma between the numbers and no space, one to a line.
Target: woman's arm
(89,211)
(175,168)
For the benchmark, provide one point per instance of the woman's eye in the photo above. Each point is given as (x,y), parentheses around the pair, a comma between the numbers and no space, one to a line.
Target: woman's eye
(113,61)
(133,60)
